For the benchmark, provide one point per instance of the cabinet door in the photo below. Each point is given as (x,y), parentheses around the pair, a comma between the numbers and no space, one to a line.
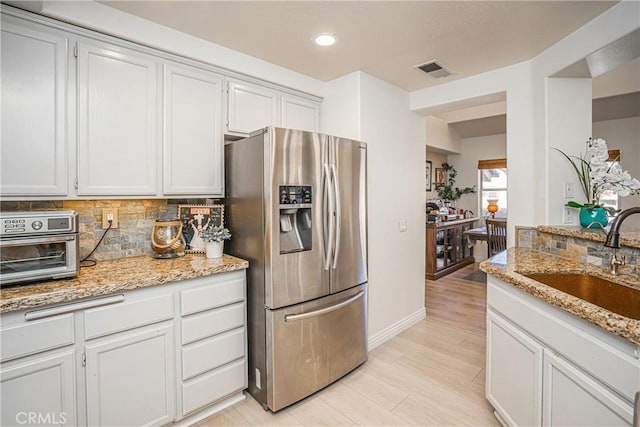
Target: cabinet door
(117,129)
(299,113)
(39,391)
(131,380)
(34,138)
(573,398)
(193,144)
(250,107)
(514,362)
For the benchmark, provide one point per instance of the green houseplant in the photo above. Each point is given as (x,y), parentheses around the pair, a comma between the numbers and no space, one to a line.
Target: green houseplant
(214,238)
(449,193)
(598,175)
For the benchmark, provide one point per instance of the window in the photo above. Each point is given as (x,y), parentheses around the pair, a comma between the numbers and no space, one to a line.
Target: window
(493,185)
(611,198)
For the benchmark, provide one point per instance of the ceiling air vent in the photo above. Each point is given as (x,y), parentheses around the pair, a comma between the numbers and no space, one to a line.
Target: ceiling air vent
(434,69)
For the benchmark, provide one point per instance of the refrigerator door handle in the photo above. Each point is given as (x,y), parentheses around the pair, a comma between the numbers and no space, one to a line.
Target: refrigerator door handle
(328,215)
(336,193)
(301,316)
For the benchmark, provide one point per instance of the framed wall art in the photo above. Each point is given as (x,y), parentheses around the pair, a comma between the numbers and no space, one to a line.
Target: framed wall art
(427,170)
(197,218)
(440,177)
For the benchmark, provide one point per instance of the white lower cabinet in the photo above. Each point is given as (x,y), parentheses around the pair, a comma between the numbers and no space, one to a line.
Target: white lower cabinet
(39,390)
(174,353)
(514,373)
(574,398)
(546,367)
(214,342)
(130,379)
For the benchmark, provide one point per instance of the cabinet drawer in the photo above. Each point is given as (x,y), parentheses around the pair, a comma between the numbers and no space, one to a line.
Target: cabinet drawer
(36,336)
(213,386)
(603,355)
(209,323)
(127,315)
(215,294)
(212,353)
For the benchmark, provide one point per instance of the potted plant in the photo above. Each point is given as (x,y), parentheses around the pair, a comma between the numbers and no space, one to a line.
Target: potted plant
(449,193)
(214,238)
(597,175)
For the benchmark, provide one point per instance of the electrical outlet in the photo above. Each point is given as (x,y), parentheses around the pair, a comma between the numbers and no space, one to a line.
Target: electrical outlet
(402,225)
(568,215)
(110,214)
(569,190)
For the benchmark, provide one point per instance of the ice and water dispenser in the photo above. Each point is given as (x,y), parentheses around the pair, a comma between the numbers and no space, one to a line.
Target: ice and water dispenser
(295,218)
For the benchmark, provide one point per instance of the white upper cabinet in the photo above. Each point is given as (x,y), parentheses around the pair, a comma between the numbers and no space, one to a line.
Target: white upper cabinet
(85,115)
(300,113)
(250,107)
(118,120)
(34,99)
(193,143)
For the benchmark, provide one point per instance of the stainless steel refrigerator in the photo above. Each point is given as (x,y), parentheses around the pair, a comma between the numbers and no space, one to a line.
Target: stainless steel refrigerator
(296,206)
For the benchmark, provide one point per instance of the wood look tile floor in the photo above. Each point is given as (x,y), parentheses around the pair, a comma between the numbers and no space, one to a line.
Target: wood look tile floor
(432,374)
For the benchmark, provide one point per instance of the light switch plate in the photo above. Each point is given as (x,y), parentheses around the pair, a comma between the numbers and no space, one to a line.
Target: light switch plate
(569,190)
(568,215)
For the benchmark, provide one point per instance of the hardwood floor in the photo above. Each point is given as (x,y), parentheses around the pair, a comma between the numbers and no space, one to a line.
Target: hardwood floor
(429,375)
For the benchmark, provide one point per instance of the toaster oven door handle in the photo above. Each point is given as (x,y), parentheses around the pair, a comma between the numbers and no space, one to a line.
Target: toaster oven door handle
(67,308)
(38,239)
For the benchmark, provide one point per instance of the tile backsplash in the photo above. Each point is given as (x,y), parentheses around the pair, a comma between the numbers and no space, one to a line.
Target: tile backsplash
(583,251)
(135,220)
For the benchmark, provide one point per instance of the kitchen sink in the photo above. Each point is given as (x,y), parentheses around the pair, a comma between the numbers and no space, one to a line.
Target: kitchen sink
(603,293)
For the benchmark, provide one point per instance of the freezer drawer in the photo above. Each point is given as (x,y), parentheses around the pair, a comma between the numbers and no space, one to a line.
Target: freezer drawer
(313,344)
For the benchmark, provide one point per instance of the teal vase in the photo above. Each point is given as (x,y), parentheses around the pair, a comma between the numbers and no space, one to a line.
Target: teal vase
(593,217)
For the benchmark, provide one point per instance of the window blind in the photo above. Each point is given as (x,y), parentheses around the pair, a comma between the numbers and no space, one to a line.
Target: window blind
(492,164)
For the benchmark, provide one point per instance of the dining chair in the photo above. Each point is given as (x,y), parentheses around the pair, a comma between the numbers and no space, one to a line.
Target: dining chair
(497,236)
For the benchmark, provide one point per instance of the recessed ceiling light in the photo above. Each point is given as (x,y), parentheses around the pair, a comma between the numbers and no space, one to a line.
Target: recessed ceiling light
(325,39)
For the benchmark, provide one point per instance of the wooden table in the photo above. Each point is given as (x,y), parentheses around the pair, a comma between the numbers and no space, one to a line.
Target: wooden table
(476,234)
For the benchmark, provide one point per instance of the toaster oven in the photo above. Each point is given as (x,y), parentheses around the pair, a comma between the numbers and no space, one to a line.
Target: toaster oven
(38,245)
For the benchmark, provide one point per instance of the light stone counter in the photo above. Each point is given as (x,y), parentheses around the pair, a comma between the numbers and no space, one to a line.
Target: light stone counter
(108,277)
(627,238)
(510,266)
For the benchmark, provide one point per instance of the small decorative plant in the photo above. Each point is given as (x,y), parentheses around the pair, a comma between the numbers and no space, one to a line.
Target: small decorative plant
(448,191)
(597,175)
(215,234)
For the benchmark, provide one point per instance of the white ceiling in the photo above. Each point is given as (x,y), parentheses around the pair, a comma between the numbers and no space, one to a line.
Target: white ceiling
(385,39)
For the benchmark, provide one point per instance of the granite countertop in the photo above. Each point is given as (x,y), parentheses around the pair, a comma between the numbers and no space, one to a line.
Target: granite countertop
(108,277)
(510,266)
(627,238)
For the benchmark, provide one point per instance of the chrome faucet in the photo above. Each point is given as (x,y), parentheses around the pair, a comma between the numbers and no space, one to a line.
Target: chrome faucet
(615,262)
(614,235)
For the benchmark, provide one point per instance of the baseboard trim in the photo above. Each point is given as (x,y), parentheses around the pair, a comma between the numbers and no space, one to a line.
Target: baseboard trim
(396,328)
(208,411)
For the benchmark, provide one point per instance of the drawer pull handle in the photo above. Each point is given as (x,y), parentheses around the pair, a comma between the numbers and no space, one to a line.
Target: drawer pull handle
(67,308)
(301,316)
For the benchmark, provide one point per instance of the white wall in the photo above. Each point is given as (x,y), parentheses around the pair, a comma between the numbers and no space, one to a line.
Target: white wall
(395,149)
(568,118)
(624,135)
(525,84)
(396,176)
(341,107)
(441,136)
(466,164)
